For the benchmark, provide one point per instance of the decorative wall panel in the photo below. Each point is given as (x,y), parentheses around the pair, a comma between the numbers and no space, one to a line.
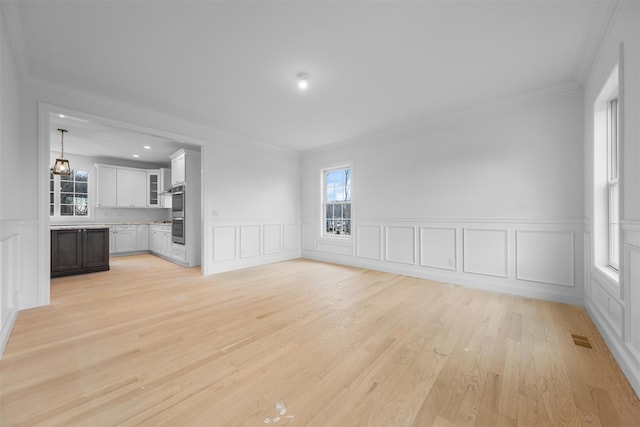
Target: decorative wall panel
(400,244)
(485,252)
(545,256)
(438,247)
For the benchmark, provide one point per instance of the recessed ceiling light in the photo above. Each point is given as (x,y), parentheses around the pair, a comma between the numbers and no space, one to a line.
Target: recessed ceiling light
(62,116)
(146,147)
(303,81)
(136,155)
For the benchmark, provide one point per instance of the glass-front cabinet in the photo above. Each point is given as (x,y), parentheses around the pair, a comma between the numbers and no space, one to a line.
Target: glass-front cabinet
(153,188)
(156,181)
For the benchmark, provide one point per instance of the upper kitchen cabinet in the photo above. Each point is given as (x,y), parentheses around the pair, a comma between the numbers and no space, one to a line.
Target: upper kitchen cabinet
(123,187)
(131,188)
(157,180)
(178,167)
(107,177)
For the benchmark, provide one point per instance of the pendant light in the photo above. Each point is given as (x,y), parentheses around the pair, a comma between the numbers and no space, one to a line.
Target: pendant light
(61,166)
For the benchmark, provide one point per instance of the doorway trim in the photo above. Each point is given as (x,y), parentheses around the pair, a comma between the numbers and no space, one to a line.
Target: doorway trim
(44,146)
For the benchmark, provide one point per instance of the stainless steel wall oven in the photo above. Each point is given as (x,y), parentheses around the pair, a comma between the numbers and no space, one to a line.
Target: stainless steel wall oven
(178,194)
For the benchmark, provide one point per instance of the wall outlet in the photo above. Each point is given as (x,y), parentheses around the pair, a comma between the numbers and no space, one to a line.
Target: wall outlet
(451,263)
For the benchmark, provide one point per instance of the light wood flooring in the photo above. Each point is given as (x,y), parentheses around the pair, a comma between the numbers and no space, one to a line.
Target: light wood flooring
(302,343)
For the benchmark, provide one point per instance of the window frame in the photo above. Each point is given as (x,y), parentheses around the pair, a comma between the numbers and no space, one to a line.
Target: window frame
(613,184)
(56,192)
(324,203)
(602,234)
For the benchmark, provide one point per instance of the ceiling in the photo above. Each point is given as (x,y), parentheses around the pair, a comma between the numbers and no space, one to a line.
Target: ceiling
(372,64)
(95,139)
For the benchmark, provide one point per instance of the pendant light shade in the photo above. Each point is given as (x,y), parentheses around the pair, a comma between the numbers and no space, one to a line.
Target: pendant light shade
(61,166)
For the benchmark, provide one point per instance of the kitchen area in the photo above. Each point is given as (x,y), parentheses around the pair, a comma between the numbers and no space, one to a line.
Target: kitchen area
(120,193)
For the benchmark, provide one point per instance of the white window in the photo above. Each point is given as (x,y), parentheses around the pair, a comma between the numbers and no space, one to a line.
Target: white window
(69,195)
(607,140)
(336,202)
(612,184)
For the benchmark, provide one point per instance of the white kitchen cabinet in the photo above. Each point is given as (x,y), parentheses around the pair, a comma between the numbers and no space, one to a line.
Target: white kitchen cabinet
(143,237)
(112,240)
(178,252)
(160,239)
(131,188)
(107,186)
(154,187)
(126,238)
(178,167)
(158,181)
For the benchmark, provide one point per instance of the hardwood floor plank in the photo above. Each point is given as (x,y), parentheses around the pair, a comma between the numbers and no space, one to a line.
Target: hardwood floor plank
(151,343)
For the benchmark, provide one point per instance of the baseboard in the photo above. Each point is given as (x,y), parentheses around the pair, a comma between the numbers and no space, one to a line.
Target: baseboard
(5,333)
(240,263)
(629,365)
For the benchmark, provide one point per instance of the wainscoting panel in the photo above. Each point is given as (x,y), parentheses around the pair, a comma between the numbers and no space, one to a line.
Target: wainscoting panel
(249,241)
(633,280)
(337,247)
(10,277)
(369,238)
(272,239)
(472,252)
(545,256)
(608,306)
(309,233)
(438,248)
(400,244)
(291,237)
(485,252)
(224,243)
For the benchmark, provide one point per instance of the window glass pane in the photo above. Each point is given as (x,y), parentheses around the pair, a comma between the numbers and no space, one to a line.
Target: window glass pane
(66,210)
(66,198)
(81,187)
(337,210)
(51,198)
(81,176)
(338,185)
(81,206)
(51,210)
(329,211)
(66,187)
(346,227)
(329,226)
(346,211)
(66,178)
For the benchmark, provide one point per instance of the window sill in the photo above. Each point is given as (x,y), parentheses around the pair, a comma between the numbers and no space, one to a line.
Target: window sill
(609,278)
(337,240)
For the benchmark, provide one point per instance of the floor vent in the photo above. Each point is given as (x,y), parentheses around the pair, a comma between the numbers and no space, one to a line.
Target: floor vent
(581,341)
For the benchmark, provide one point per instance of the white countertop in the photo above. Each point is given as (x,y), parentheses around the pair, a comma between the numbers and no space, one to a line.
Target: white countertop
(102,225)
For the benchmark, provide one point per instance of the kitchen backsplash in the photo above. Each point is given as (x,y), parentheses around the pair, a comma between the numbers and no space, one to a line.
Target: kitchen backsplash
(111,215)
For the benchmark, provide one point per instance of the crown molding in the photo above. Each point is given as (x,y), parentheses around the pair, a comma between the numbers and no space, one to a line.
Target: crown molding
(589,58)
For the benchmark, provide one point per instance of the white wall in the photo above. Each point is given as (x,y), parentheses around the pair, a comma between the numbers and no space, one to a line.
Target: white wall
(615,307)
(490,198)
(254,216)
(16,230)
